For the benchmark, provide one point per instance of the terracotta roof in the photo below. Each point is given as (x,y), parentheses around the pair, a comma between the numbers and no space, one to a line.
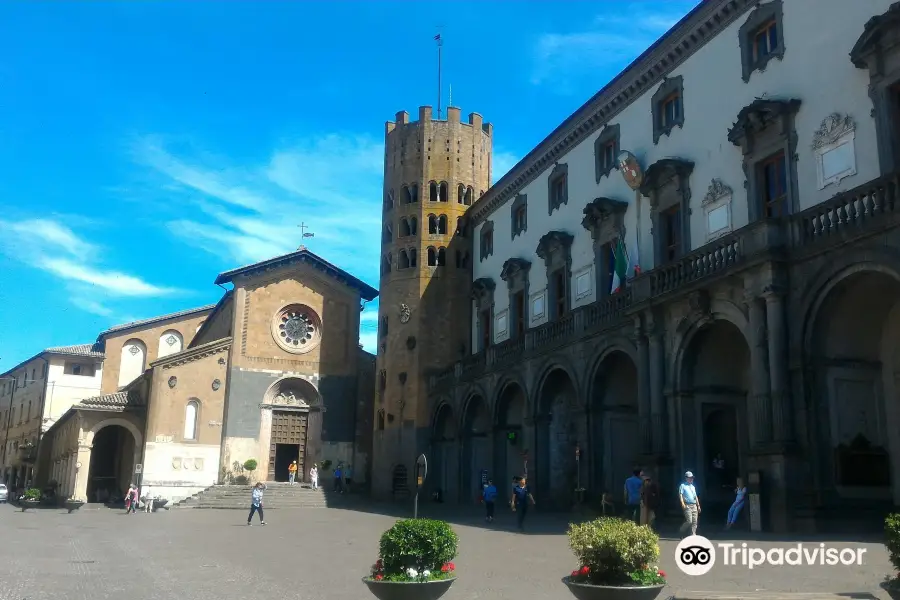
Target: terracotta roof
(175,315)
(115,400)
(303,255)
(91,350)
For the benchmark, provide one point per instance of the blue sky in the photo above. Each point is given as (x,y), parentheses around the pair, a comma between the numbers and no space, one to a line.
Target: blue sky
(147,146)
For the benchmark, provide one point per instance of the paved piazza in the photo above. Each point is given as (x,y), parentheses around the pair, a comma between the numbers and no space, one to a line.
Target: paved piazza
(320,553)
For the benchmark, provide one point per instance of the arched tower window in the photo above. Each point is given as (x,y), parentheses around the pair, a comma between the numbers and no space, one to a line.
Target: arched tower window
(414,193)
(441,257)
(442,224)
(470,192)
(402,260)
(386,264)
(412,257)
(433,191)
(432,224)
(413,226)
(444,191)
(389,200)
(133,361)
(170,342)
(407,195)
(461,194)
(432,257)
(404,227)
(387,235)
(191,416)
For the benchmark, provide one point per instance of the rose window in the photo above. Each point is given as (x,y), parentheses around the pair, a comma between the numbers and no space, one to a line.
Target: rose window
(296,328)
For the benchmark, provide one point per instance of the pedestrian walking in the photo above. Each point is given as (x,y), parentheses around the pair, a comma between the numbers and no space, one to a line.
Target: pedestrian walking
(519,504)
(649,501)
(131,499)
(148,499)
(314,477)
(256,503)
(348,477)
(690,503)
(338,474)
(490,497)
(292,472)
(632,495)
(740,493)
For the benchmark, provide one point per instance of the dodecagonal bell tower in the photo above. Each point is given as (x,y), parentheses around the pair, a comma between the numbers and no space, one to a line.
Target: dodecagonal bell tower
(434,170)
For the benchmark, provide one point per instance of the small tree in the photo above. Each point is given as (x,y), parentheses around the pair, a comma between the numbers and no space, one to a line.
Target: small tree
(250,465)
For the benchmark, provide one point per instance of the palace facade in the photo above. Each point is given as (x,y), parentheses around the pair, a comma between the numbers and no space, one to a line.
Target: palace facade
(702,262)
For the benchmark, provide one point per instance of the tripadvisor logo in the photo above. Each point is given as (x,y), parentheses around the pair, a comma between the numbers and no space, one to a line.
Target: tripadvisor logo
(696,555)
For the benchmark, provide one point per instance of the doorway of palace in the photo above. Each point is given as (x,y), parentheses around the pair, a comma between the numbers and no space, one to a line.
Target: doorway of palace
(476,447)
(715,388)
(855,352)
(445,452)
(111,468)
(615,439)
(287,443)
(510,440)
(560,426)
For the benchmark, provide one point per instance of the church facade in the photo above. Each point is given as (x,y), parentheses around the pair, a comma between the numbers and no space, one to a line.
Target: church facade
(697,268)
(272,372)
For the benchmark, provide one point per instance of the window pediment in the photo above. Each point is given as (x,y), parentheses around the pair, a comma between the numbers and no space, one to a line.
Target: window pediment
(880,33)
(601,210)
(553,243)
(664,170)
(757,116)
(483,288)
(514,269)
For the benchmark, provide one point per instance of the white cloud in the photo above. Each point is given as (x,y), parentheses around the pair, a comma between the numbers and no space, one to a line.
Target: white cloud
(369,341)
(501,165)
(331,183)
(611,42)
(54,248)
(369,316)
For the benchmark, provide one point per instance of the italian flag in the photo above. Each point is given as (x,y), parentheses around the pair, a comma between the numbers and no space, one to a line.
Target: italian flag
(620,266)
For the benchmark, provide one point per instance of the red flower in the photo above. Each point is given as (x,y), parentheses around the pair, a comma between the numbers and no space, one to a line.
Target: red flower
(585,570)
(574,574)
(379,577)
(662,573)
(452,566)
(445,568)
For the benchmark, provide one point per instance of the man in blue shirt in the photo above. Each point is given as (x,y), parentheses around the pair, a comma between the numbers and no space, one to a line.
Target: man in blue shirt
(633,495)
(490,497)
(519,504)
(690,503)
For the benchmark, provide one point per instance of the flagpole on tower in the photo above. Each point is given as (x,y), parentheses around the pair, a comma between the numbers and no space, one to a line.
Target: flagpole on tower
(440,44)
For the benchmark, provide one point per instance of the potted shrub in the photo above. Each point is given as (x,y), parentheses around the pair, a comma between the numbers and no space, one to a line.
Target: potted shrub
(72,504)
(30,499)
(892,540)
(415,561)
(616,561)
(250,465)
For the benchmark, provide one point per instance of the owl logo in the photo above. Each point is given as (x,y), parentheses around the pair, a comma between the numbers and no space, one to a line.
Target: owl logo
(404,313)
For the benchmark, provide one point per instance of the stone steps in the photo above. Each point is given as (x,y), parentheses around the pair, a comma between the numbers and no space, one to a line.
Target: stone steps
(277,496)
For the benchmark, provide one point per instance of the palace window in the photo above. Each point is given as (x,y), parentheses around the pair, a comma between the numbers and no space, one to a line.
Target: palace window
(519,214)
(518,315)
(484,327)
(761,38)
(487,240)
(668,107)
(773,186)
(672,229)
(560,294)
(606,150)
(558,187)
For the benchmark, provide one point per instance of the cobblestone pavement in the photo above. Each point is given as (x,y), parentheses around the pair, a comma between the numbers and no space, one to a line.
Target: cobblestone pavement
(319,553)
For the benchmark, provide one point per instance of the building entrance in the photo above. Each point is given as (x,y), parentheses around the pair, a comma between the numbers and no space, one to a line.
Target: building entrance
(288,443)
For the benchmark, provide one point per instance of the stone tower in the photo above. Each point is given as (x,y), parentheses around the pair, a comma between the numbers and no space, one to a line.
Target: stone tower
(434,170)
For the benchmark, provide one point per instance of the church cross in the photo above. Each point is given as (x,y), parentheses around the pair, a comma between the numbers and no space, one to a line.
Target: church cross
(305,234)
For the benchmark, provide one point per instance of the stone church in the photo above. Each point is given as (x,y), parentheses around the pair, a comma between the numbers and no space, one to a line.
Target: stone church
(272,372)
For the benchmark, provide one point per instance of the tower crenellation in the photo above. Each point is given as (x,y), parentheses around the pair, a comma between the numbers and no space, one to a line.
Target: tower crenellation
(434,171)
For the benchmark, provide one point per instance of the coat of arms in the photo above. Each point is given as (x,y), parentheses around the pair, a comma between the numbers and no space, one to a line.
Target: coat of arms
(404,313)
(631,170)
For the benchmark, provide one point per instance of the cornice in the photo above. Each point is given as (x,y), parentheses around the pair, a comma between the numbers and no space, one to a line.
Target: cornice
(193,354)
(690,34)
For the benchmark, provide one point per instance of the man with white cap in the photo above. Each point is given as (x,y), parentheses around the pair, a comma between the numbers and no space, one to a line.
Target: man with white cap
(690,503)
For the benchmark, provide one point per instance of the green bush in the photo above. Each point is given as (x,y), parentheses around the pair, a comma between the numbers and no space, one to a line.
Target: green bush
(613,551)
(241,480)
(32,494)
(892,541)
(250,464)
(418,544)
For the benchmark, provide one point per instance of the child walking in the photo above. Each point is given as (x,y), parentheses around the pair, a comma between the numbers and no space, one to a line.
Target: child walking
(256,503)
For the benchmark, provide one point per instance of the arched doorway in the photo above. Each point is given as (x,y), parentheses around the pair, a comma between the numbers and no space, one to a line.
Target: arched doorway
(715,387)
(855,355)
(111,470)
(559,426)
(615,425)
(294,429)
(476,446)
(510,439)
(445,453)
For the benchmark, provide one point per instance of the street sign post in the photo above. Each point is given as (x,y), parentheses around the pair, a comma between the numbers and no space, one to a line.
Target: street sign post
(421,474)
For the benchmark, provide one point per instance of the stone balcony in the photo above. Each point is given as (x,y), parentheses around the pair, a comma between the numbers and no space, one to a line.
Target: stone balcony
(864,211)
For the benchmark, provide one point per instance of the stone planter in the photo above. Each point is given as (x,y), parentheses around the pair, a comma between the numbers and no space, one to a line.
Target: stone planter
(892,588)
(26,504)
(587,591)
(73,505)
(408,590)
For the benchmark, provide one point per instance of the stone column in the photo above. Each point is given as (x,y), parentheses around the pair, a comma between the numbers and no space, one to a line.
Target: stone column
(657,353)
(782,422)
(73,473)
(760,405)
(81,478)
(643,390)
